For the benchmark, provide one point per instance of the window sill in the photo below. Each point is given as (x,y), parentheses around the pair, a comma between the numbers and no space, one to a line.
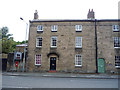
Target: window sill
(39,31)
(115,30)
(78,30)
(53,47)
(117,47)
(38,46)
(117,66)
(78,47)
(78,65)
(38,65)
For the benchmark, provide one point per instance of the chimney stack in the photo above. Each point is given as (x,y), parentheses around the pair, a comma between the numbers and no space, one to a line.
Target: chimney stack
(91,14)
(36,15)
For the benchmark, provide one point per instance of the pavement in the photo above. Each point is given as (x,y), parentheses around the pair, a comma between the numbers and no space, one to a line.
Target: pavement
(62,75)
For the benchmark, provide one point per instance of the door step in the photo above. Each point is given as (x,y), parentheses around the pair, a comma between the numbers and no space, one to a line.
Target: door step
(52,71)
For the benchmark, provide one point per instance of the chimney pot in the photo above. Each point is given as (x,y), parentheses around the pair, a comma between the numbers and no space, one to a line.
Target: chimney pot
(91,14)
(89,10)
(36,15)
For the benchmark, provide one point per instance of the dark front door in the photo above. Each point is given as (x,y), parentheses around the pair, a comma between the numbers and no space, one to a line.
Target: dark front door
(53,63)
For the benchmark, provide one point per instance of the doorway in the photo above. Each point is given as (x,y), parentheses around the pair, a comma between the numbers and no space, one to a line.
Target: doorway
(101,65)
(52,63)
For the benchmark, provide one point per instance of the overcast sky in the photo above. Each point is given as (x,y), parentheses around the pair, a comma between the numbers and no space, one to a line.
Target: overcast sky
(12,10)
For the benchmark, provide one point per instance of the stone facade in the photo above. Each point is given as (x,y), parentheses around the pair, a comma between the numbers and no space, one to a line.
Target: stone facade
(66,50)
(20,48)
(105,41)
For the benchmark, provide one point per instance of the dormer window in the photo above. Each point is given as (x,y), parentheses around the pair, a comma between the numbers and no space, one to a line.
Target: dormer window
(40,28)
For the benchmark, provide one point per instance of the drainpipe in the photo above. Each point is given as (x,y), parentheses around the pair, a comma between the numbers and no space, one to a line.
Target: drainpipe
(96,47)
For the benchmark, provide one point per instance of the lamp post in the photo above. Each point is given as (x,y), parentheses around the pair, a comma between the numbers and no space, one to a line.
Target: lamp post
(25,44)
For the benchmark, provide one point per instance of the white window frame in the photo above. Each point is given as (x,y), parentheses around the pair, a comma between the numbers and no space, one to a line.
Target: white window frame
(54,28)
(78,60)
(78,42)
(78,27)
(115,27)
(37,41)
(55,37)
(40,59)
(40,28)
(20,55)
(117,58)
(117,39)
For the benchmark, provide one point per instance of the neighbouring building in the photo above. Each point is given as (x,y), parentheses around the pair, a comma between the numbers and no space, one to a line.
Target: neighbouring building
(84,46)
(20,47)
(15,59)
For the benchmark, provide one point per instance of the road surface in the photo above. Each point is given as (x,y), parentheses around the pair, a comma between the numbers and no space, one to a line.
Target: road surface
(51,82)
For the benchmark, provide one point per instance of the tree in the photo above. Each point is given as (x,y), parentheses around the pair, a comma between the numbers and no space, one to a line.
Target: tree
(7,41)
(5,33)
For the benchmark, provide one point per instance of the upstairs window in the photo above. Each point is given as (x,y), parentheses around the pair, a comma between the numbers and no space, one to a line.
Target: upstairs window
(38,59)
(115,27)
(39,42)
(117,61)
(40,28)
(116,42)
(54,28)
(78,60)
(78,28)
(78,42)
(54,41)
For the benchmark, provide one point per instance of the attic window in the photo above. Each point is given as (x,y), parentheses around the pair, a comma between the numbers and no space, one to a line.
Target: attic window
(54,28)
(78,28)
(40,28)
(115,27)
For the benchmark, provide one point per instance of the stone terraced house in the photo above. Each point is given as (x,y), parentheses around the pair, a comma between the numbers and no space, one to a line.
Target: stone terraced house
(84,46)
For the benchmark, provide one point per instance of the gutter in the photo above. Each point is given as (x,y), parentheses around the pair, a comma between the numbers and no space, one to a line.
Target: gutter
(73,20)
(96,47)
